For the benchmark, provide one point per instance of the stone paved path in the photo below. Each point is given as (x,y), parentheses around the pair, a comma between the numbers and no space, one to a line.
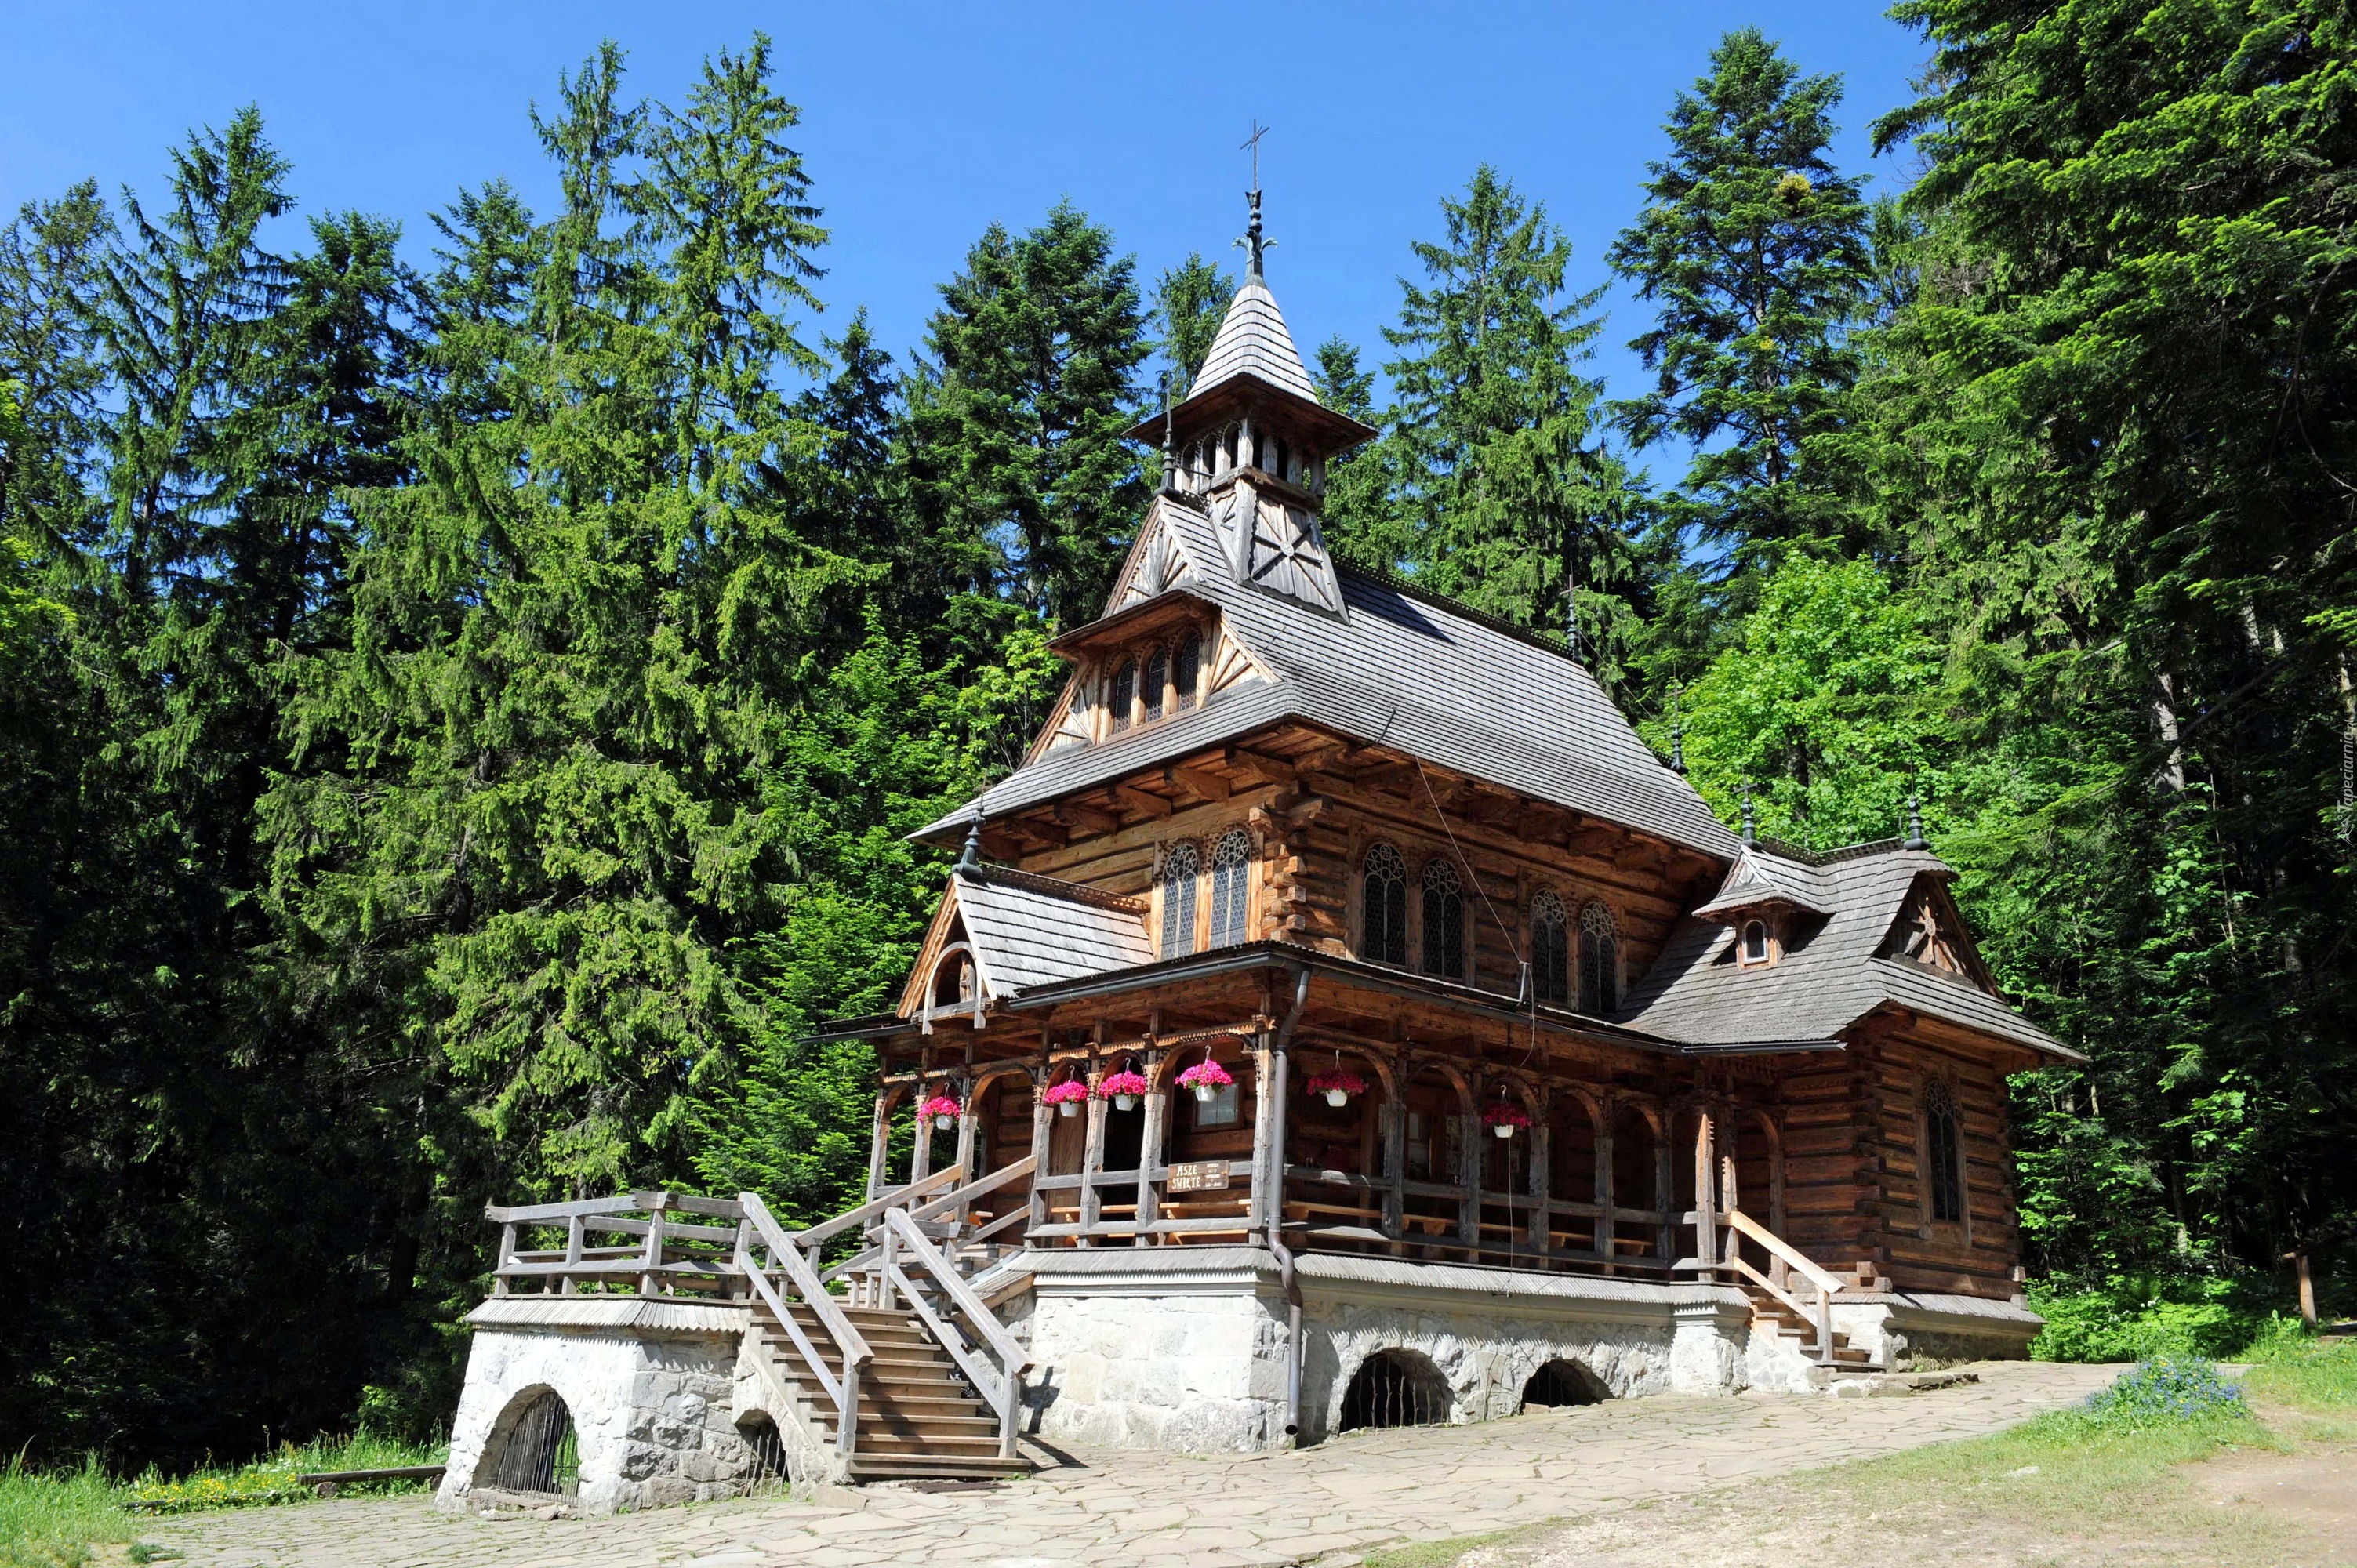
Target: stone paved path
(1140,1511)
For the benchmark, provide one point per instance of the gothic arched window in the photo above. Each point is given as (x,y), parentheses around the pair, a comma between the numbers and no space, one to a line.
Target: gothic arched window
(1599,961)
(1231,888)
(1386,910)
(1755,942)
(1444,920)
(1186,670)
(1180,866)
(1125,693)
(1551,951)
(1943,1152)
(1157,676)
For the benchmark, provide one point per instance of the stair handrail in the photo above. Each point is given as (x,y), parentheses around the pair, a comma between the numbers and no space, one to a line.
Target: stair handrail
(864,1261)
(1013,1360)
(787,1258)
(1802,1264)
(1778,1247)
(898,1198)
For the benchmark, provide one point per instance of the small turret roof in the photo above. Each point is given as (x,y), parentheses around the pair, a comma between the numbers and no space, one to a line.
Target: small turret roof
(1254,341)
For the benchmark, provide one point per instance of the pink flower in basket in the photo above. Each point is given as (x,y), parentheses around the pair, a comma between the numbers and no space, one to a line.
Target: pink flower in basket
(1123,1089)
(1337,1086)
(1206,1078)
(1505,1117)
(941,1111)
(1066,1097)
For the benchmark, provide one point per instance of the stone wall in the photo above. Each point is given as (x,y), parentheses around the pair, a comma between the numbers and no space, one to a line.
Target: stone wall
(651,1388)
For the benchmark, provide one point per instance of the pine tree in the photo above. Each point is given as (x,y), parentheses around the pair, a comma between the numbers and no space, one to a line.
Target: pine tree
(1753,247)
(1014,425)
(1361,522)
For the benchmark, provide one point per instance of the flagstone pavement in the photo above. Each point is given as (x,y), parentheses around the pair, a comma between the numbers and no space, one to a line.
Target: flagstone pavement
(1125,1510)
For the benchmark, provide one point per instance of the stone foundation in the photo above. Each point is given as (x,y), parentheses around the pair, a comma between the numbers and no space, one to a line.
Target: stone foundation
(651,1388)
(1184,1348)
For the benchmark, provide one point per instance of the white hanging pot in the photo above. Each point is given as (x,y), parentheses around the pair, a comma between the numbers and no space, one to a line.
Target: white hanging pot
(1337,1097)
(1206,1093)
(1068,1108)
(945,1123)
(1503,1129)
(1124,1102)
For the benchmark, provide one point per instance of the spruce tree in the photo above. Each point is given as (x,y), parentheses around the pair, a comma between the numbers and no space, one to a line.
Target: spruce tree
(1190,300)
(1360,520)
(1752,247)
(1504,492)
(1015,423)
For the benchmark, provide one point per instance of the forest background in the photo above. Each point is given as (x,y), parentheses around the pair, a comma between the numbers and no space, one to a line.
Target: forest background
(458,723)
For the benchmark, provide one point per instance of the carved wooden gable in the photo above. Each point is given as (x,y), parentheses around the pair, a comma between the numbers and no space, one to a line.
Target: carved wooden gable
(1931,931)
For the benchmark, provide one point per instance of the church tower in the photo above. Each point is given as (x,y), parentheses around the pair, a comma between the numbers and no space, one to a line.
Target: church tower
(1250,444)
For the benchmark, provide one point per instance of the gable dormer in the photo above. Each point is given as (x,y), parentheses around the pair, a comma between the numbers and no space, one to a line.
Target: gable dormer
(1928,930)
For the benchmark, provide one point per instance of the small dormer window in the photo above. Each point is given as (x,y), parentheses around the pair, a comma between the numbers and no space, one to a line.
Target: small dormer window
(1124,694)
(1157,676)
(1186,669)
(1755,942)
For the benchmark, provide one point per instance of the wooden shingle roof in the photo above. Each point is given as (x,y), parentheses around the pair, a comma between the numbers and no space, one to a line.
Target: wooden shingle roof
(1401,669)
(1029,929)
(1830,975)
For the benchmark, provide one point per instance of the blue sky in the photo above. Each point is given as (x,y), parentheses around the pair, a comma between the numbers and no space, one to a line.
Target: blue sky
(924,123)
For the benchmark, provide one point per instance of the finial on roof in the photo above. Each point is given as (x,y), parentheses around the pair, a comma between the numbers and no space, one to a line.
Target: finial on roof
(1915,839)
(1170,451)
(1750,822)
(1253,243)
(1677,733)
(970,857)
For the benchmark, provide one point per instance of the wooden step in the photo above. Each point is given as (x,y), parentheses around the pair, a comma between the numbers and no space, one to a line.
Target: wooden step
(921,1467)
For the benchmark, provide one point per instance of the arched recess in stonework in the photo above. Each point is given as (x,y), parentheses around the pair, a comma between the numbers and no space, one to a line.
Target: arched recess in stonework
(1562,1382)
(534,1447)
(1395,1386)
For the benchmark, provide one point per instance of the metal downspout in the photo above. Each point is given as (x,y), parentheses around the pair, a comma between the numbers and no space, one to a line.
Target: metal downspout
(1285,1275)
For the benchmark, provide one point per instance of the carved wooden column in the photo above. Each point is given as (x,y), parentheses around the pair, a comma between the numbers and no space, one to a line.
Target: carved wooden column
(1541,1187)
(1394,1125)
(1705,1215)
(1605,1250)
(921,1155)
(965,1131)
(1263,1131)
(1150,1147)
(1468,1173)
(1778,1269)
(1042,1131)
(1092,1158)
(879,1142)
(1665,1190)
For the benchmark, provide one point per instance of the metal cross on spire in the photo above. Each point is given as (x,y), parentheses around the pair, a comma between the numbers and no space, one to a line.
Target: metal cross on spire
(1253,243)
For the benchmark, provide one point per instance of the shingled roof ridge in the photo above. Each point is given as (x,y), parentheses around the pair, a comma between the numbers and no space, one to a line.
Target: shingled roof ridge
(1051,887)
(1784,849)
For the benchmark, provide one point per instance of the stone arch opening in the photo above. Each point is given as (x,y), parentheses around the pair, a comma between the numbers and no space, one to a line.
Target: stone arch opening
(768,1446)
(1562,1382)
(1396,1388)
(534,1449)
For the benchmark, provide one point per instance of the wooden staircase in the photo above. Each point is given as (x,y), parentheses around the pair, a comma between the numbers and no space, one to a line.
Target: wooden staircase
(919,1417)
(1770,1313)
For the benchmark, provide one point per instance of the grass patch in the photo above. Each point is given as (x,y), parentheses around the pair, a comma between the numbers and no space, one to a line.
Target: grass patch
(54,1521)
(1435,1553)
(56,1518)
(273,1480)
(2304,1371)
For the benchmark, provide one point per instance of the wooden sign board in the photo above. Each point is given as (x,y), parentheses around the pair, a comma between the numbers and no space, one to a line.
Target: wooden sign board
(1203,1176)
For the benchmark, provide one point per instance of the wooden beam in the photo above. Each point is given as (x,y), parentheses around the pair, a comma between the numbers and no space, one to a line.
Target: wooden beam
(1208,785)
(1267,769)
(1088,818)
(1140,801)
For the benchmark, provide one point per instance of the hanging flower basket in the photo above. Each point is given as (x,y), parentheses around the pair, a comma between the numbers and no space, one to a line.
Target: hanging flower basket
(1337,1086)
(1123,1089)
(1067,1096)
(941,1111)
(1206,1078)
(1505,1117)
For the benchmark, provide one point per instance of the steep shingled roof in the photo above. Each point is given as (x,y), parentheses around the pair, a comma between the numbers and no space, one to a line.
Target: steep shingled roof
(1254,341)
(1829,977)
(1029,929)
(1405,669)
